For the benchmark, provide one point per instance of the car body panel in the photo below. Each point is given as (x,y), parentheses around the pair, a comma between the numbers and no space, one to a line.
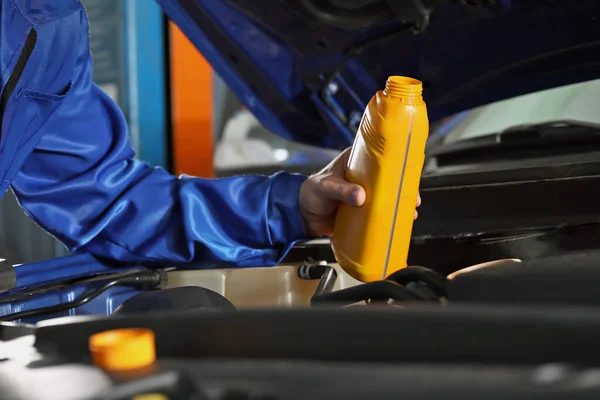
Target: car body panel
(308,80)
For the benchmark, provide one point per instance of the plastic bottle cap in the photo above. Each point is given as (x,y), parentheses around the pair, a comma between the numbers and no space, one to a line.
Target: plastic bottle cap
(123,349)
(151,396)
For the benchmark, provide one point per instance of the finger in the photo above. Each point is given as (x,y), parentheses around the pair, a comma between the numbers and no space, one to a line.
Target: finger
(338,189)
(418,199)
(327,229)
(341,161)
(416,215)
(338,164)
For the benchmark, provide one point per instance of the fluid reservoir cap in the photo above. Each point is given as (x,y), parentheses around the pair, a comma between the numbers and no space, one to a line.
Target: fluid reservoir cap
(123,349)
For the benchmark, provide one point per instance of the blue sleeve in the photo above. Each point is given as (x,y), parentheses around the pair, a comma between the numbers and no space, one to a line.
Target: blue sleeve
(83,185)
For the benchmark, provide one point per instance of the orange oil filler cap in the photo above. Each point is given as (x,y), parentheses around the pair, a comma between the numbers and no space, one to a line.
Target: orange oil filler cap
(123,349)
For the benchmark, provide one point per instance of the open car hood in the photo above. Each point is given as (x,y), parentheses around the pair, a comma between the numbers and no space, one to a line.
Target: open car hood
(307,68)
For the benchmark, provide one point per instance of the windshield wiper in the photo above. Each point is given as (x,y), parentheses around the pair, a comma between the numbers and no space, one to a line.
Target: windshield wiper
(570,130)
(547,134)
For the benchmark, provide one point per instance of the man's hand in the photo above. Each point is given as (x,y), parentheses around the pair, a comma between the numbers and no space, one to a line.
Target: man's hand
(322,192)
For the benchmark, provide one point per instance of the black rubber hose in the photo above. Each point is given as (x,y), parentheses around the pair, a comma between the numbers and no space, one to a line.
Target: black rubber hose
(379,290)
(327,282)
(326,274)
(430,278)
(35,291)
(146,280)
(309,271)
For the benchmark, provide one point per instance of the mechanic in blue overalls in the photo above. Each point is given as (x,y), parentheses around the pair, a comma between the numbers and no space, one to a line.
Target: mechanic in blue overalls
(64,151)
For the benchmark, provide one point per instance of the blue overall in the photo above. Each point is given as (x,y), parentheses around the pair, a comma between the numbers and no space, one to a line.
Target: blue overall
(65,152)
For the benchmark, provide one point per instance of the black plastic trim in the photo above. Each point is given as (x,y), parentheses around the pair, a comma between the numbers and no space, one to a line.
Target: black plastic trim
(10,331)
(459,334)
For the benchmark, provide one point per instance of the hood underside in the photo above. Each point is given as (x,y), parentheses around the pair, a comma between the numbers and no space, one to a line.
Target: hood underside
(307,68)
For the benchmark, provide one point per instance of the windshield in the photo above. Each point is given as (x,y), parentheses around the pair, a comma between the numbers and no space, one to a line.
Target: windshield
(577,102)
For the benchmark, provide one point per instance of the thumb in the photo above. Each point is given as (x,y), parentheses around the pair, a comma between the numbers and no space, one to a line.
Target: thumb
(344,191)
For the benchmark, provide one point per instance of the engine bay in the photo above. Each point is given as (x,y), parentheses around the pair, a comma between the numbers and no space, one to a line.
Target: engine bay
(509,328)
(506,311)
(423,352)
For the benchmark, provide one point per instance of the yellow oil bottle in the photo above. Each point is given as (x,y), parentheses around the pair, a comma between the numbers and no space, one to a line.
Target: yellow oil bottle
(372,241)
